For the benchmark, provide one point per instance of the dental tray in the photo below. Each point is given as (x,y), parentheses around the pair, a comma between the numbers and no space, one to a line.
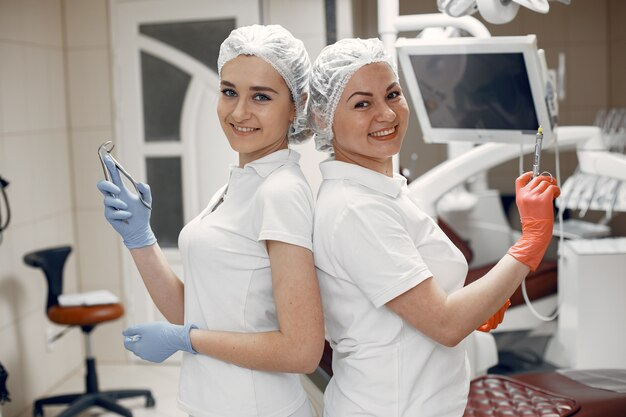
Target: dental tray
(580,229)
(91,298)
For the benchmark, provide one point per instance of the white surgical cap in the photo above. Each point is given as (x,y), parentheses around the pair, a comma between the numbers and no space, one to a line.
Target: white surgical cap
(331,71)
(277,46)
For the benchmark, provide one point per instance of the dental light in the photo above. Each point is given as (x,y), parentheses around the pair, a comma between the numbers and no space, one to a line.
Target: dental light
(493,11)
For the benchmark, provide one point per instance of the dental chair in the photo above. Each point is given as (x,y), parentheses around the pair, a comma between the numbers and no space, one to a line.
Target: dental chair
(52,262)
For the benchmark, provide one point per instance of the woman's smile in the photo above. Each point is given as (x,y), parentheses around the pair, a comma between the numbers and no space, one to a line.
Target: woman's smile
(384,134)
(243,130)
(371,118)
(255,108)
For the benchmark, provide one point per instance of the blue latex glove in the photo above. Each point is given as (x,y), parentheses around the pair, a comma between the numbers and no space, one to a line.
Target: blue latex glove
(158,340)
(123,209)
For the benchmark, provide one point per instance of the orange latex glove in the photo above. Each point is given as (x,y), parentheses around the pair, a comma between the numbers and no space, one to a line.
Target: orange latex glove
(534,198)
(496,319)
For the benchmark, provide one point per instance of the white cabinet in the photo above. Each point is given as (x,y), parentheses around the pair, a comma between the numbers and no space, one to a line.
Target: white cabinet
(592,292)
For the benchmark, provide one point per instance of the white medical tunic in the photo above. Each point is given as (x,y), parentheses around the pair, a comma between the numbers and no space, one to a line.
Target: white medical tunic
(228,284)
(371,244)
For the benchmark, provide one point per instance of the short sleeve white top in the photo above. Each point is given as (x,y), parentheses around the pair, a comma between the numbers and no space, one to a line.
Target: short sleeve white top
(371,244)
(228,284)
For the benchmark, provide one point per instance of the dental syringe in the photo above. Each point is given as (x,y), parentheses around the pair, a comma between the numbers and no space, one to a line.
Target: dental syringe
(537,157)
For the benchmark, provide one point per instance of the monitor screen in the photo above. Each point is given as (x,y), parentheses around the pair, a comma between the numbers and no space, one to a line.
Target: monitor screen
(474,89)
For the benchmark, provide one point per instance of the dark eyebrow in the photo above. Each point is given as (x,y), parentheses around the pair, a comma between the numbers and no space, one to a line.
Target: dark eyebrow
(255,88)
(393,85)
(262,88)
(363,93)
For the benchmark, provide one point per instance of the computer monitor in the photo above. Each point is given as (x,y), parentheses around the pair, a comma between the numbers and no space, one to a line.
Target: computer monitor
(476,89)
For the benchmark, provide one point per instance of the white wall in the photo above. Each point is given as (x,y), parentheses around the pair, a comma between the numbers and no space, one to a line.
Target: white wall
(90,123)
(35,158)
(55,109)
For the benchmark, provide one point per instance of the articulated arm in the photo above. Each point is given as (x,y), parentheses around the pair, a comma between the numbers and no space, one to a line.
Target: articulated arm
(431,186)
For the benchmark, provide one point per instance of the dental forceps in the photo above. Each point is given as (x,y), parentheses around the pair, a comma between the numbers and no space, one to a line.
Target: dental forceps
(105,149)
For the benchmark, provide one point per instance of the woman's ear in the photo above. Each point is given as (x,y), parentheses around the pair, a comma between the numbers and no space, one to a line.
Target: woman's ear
(292,117)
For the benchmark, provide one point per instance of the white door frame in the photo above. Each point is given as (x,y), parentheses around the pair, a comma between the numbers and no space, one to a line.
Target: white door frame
(203,148)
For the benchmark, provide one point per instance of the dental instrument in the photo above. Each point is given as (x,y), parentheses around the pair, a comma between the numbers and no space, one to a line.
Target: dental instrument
(537,156)
(104,150)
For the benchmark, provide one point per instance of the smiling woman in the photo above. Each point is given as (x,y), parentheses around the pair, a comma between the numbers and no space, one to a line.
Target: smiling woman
(378,118)
(248,316)
(391,281)
(255,108)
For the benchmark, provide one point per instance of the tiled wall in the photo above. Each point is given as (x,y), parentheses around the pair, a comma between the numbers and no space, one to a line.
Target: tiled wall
(580,31)
(35,158)
(55,109)
(591,34)
(616,11)
(90,123)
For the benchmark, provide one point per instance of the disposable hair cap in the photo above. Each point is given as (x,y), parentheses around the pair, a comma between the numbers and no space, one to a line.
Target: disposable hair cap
(331,71)
(277,46)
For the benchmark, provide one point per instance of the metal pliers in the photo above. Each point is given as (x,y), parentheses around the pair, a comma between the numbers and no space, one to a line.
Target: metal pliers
(104,150)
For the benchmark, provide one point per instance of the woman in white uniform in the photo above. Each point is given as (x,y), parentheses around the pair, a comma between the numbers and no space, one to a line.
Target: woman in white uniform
(395,307)
(248,316)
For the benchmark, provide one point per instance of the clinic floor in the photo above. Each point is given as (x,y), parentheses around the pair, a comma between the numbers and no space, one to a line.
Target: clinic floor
(162,380)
